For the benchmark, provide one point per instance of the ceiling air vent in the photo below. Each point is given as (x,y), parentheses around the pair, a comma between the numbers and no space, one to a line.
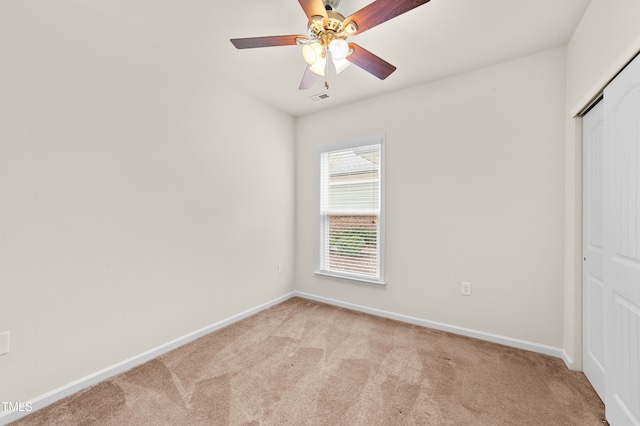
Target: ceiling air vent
(319,97)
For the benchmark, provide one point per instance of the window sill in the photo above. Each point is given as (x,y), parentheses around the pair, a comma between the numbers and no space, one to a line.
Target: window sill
(351,278)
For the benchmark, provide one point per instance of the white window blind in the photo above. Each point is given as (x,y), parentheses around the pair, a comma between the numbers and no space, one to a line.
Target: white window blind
(350,211)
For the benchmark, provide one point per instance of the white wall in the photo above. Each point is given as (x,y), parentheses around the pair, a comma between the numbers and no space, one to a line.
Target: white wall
(607,37)
(141,198)
(125,221)
(474,190)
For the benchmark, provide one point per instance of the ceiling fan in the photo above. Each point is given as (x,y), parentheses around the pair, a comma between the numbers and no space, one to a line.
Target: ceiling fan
(327,33)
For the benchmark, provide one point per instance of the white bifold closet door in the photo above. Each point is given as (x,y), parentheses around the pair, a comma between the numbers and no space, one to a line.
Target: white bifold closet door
(611,247)
(621,228)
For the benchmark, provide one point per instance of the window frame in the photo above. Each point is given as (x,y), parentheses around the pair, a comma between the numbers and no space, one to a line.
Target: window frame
(376,139)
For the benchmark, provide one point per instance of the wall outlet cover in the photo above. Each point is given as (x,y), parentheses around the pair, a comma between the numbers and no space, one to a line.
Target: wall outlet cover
(465,289)
(4,343)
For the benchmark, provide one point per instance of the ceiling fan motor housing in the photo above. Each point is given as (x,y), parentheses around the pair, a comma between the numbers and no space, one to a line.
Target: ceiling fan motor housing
(331,4)
(329,30)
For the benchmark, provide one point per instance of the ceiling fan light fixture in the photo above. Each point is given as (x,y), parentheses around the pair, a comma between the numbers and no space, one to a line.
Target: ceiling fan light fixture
(339,48)
(340,64)
(319,66)
(312,52)
(350,28)
(309,54)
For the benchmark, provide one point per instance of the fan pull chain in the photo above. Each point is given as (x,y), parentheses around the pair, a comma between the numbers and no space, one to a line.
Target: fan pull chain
(326,68)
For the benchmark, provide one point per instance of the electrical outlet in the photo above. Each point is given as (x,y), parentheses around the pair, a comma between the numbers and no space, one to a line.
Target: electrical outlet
(465,289)
(4,343)
(280,268)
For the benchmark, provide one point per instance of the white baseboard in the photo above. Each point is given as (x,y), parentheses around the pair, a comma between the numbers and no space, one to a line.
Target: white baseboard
(97,377)
(507,341)
(568,361)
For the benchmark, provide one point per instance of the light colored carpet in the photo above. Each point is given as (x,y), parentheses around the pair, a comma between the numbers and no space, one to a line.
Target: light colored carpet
(307,363)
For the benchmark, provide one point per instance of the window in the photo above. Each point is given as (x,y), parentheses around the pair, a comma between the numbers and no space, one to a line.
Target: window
(351,210)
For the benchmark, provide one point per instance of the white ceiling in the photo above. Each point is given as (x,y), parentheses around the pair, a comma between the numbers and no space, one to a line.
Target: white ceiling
(433,41)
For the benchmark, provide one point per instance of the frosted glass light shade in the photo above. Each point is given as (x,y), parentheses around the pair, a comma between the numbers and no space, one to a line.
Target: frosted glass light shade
(339,48)
(312,52)
(309,54)
(319,65)
(340,64)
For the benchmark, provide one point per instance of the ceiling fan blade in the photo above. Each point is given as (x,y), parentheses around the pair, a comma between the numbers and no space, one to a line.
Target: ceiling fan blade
(370,62)
(253,42)
(314,8)
(381,11)
(308,79)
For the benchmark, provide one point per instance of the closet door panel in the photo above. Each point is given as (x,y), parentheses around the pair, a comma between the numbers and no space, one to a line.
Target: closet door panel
(593,249)
(622,246)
